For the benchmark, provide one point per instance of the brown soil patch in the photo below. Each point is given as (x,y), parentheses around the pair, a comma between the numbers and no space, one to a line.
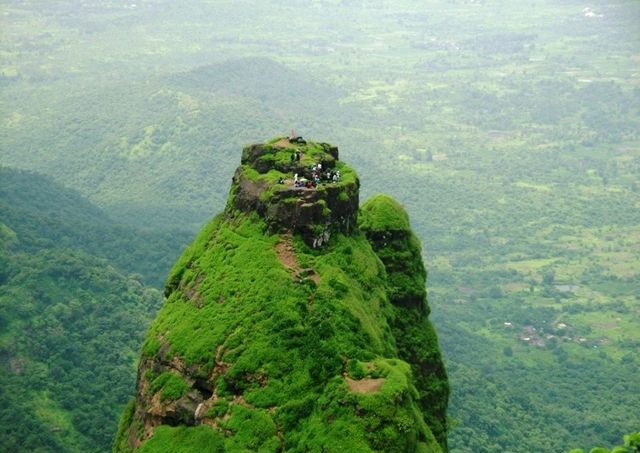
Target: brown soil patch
(315,277)
(366,385)
(219,352)
(287,256)
(283,143)
(239,399)
(178,364)
(220,367)
(253,189)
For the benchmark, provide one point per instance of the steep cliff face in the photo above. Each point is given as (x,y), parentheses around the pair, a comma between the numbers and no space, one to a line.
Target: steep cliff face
(271,181)
(293,325)
(386,225)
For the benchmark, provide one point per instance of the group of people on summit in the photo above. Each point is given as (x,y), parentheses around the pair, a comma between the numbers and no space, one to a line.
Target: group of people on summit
(317,175)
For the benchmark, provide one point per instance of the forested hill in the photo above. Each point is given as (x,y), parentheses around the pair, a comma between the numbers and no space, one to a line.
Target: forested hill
(294,322)
(276,86)
(71,319)
(46,215)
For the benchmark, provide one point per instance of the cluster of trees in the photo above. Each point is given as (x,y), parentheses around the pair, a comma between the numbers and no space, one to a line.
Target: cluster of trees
(631,444)
(72,320)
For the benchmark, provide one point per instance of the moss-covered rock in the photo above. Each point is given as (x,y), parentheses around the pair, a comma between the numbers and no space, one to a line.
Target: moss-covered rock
(383,214)
(265,183)
(386,225)
(267,343)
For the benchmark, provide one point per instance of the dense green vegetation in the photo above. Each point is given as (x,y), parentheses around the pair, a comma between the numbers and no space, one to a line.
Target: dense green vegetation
(43,214)
(631,444)
(508,129)
(70,322)
(71,326)
(386,225)
(278,346)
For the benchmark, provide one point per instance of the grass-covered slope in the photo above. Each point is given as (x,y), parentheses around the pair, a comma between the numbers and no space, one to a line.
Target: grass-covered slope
(267,343)
(386,225)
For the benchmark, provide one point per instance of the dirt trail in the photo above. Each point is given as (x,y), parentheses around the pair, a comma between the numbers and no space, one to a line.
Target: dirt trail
(287,256)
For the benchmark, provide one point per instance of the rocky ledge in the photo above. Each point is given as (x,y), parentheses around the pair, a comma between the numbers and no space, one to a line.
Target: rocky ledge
(297,186)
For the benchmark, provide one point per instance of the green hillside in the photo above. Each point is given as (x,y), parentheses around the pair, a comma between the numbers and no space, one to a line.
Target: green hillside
(45,215)
(71,324)
(67,349)
(631,445)
(289,328)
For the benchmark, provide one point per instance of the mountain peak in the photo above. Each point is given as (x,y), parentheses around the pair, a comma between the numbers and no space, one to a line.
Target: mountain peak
(291,324)
(297,186)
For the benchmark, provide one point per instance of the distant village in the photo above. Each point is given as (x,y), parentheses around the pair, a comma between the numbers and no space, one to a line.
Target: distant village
(560,332)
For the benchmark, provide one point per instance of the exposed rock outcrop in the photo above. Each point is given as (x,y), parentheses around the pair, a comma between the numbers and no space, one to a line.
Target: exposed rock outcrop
(266,183)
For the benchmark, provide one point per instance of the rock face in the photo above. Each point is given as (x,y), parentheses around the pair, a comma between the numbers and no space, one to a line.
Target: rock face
(315,212)
(386,226)
(293,323)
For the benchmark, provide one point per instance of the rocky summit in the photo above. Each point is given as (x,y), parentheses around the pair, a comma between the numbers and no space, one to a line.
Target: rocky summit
(296,321)
(297,186)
